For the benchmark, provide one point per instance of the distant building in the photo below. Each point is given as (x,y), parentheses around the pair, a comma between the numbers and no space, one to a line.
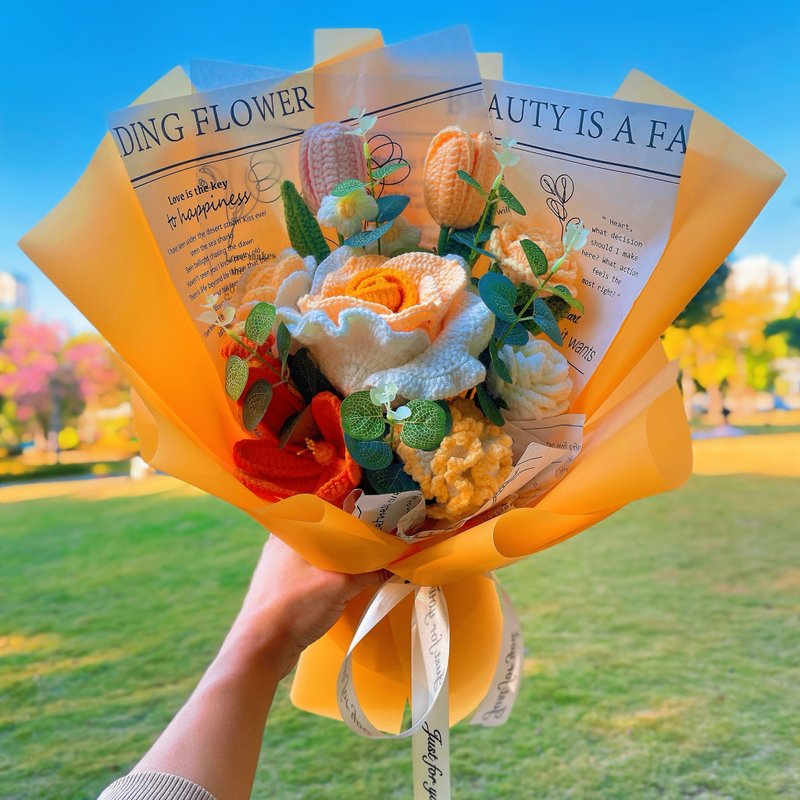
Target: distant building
(13,292)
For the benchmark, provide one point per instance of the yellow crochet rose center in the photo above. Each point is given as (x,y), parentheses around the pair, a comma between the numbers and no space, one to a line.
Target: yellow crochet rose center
(388,287)
(471,463)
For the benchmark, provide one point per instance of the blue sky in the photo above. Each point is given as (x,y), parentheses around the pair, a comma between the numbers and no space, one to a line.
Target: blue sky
(64,67)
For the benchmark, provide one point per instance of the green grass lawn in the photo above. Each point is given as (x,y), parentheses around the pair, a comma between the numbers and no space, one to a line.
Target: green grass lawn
(664,656)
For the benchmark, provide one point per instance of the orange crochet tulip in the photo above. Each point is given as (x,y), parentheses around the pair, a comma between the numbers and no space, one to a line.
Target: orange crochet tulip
(318,465)
(450,201)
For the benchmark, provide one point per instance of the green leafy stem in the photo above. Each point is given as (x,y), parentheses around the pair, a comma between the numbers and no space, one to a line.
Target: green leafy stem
(372,427)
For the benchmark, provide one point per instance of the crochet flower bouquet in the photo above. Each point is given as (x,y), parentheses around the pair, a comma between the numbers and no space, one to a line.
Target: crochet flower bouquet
(423,337)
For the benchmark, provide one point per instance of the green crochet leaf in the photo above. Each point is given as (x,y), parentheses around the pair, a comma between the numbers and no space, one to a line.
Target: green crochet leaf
(256,404)
(259,322)
(498,365)
(304,232)
(499,294)
(510,200)
(467,178)
(537,260)
(361,418)
(343,188)
(561,291)
(370,455)
(236,372)
(306,375)
(387,169)
(544,318)
(391,206)
(391,479)
(284,341)
(448,416)
(426,427)
(515,335)
(488,406)
(363,238)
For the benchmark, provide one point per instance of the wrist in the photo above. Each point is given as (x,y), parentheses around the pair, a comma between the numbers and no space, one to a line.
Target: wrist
(258,642)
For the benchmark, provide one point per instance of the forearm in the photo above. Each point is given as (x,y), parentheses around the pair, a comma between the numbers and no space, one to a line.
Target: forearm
(215,739)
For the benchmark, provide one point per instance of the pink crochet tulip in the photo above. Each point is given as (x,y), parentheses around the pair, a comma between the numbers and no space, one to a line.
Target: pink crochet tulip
(328,155)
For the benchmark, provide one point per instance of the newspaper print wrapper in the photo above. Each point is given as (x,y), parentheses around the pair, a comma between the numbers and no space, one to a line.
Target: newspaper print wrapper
(99,249)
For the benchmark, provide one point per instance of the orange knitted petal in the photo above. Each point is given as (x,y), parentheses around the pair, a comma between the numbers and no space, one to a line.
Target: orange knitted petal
(266,490)
(337,483)
(325,408)
(284,466)
(450,150)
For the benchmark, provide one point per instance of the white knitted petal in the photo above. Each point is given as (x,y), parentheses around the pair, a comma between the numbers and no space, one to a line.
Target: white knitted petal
(541,385)
(294,287)
(358,346)
(450,365)
(336,260)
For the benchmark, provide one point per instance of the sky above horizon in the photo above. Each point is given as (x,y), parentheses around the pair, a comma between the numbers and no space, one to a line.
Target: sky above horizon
(64,68)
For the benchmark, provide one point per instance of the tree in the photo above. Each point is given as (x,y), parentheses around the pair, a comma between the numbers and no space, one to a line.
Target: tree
(48,379)
(730,351)
(700,309)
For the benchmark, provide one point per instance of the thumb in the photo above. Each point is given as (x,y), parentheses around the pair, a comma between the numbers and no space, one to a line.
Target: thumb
(367,579)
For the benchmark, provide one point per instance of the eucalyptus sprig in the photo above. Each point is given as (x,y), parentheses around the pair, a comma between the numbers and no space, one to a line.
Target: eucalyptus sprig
(501,296)
(372,427)
(389,207)
(498,193)
(257,328)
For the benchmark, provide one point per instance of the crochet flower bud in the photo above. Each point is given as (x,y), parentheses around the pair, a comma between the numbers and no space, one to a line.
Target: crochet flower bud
(328,155)
(453,203)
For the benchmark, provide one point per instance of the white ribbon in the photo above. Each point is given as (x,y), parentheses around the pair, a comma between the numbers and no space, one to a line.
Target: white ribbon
(430,653)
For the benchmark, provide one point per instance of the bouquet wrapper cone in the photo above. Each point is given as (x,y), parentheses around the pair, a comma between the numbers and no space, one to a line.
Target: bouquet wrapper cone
(97,248)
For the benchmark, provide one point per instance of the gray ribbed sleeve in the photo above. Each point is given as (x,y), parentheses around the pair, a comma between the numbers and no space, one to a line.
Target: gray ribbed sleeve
(154,786)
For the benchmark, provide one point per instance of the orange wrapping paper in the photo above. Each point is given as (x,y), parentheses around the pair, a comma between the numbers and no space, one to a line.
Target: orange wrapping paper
(97,248)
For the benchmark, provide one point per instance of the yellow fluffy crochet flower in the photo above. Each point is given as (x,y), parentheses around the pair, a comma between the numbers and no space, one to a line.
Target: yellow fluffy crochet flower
(467,469)
(505,245)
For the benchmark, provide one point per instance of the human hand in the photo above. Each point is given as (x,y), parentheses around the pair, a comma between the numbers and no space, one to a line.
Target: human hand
(291,603)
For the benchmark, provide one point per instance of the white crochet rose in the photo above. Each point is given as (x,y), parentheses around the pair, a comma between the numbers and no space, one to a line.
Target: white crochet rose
(541,385)
(408,320)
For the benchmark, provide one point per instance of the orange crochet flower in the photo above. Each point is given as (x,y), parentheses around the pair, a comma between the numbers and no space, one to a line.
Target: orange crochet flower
(450,201)
(320,465)
(505,245)
(388,287)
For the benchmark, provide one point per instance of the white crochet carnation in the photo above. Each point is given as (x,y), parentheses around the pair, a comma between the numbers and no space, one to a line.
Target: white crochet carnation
(541,386)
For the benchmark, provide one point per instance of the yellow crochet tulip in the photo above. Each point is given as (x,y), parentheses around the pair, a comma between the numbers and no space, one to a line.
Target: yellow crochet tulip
(450,201)
(467,469)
